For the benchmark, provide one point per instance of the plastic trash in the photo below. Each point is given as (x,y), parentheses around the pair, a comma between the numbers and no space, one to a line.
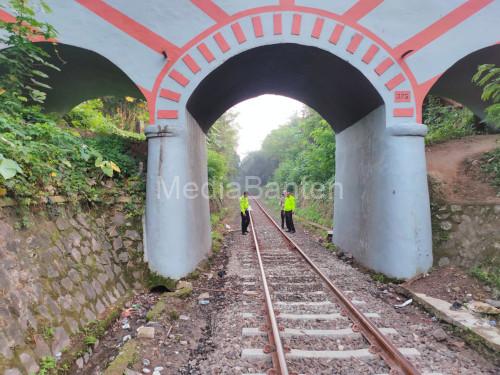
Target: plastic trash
(203,302)
(404,304)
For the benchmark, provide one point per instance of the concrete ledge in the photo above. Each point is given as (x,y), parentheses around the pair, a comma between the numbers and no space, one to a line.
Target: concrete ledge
(402,130)
(463,319)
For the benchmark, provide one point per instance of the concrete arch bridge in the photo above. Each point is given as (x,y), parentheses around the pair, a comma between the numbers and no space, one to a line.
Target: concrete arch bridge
(364,65)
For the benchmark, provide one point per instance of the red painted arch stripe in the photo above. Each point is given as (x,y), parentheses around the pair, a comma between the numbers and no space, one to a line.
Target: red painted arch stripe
(395,82)
(278,24)
(287,3)
(337,32)
(222,42)
(403,112)
(191,64)
(383,66)
(170,95)
(440,27)
(238,33)
(179,78)
(296,24)
(318,28)
(206,53)
(130,27)
(361,9)
(258,30)
(212,10)
(370,54)
(354,43)
(6,17)
(168,115)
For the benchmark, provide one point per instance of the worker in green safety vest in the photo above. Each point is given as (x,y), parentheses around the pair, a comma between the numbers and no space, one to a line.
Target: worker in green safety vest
(245,215)
(289,208)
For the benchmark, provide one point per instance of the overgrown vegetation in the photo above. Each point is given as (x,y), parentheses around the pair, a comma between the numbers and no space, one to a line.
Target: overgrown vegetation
(447,121)
(83,156)
(488,77)
(489,273)
(490,164)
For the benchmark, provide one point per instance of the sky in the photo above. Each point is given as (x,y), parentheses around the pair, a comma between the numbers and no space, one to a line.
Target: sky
(258,116)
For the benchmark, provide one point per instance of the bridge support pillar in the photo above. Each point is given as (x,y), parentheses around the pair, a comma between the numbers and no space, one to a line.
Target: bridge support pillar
(178,216)
(382,211)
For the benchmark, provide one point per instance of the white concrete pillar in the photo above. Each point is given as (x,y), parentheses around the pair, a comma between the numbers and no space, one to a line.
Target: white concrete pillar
(382,212)
(177,216)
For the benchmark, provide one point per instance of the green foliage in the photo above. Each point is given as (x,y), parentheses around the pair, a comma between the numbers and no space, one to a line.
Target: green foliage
(48,333)
(58,161)
(488,77)
(90,340)
(222,139)
(24,64)
(490,164)
(446,122)
(9,168)
(301,150)
(47,366)
(487,274)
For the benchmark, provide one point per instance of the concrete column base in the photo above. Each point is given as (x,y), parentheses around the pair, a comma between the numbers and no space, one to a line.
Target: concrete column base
(178,230)
(382,211)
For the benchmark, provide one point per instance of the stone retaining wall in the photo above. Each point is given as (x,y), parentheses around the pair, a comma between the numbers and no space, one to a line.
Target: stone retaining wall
(466,235)
(59,275)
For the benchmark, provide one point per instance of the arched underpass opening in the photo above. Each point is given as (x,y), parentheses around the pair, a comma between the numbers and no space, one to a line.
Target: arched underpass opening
(323,81)
(381,210)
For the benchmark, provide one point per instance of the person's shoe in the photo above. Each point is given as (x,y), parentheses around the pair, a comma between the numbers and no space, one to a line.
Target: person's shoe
(244,233)
(287,231)
(292,231)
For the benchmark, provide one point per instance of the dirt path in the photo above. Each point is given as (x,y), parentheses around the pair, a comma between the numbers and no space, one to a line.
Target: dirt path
(459,182)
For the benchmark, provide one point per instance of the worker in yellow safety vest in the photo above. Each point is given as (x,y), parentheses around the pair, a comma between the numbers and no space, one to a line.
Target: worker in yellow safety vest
(245,215)
(289,208)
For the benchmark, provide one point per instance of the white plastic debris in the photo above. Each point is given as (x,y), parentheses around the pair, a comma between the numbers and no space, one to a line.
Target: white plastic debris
(404,304)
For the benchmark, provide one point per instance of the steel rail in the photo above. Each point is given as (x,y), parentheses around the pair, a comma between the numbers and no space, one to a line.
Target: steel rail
(278,354)
(381,345)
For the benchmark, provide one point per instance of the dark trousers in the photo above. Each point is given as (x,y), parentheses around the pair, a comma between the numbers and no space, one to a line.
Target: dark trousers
(245,221)
(282,219)
(289,221)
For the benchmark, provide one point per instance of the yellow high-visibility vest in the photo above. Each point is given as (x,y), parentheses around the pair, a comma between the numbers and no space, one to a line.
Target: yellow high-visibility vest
(289,203)
(244,204)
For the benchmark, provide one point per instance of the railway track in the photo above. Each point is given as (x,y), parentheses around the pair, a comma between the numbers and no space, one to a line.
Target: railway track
(308,325)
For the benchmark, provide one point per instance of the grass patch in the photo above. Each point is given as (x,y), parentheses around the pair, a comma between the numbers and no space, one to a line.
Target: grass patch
(490,165)
(127,357)
(48,366)
(381,278)
(488,274)
(156,311)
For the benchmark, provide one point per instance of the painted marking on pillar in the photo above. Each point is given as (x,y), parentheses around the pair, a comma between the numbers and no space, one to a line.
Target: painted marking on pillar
(318,28)
(170,95)
(403,112)
(191,64)
(258,30)
(206,53)
(395,82)
(179,78)
(370,54)
(337,32)
(238,33)
(287,3)
(296,23)
(443,25)
(131,27)
(278,24)
(354,43)
(383,66)
(361,9)
(402,96)
(211,9)
(168,114)
(221,42)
